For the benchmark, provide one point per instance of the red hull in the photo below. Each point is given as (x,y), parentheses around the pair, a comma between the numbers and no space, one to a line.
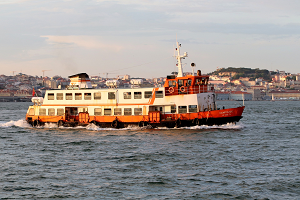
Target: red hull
(155,119)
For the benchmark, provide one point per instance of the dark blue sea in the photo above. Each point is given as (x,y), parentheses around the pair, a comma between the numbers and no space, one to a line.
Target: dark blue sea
(257,158)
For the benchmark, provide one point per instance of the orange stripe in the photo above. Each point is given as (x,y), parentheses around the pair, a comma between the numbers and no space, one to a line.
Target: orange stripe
(124,104)
(152,99)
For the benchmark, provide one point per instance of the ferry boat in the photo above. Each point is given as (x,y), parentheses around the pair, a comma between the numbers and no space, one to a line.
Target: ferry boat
(182,101)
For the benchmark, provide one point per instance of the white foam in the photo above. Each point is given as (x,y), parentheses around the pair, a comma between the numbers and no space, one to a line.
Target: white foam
(93,127)
(19,123)
(224,126)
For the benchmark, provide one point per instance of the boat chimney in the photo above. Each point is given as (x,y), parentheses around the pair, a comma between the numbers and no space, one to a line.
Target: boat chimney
(198,72)
(193,65)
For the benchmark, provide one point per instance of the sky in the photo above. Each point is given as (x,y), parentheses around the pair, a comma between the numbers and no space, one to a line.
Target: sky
(138,37)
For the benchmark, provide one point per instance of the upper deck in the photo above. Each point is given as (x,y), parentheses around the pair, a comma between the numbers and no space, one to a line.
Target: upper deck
(186,85)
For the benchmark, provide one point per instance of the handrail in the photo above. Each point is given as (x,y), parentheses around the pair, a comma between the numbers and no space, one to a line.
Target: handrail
(195,89)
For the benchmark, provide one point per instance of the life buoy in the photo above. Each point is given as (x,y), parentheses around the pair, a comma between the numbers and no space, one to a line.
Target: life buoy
(171,90)
(182,89)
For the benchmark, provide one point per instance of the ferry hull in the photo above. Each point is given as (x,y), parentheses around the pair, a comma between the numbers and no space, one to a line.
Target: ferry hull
(154,119)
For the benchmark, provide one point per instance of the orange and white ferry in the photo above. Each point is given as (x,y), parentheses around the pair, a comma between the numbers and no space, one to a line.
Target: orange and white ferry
(182,101)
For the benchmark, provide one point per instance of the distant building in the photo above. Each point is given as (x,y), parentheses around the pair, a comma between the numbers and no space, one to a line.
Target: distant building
(239,96)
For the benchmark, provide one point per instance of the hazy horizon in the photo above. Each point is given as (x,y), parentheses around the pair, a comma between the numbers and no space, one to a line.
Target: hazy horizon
(138,37)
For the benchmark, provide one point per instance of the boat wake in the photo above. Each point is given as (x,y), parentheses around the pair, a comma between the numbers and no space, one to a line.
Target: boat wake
(22,123)
(19,123)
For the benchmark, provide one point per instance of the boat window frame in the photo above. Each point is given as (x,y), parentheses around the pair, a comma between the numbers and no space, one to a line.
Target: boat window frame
(127,111)
(97,95)
(159,94)
(50,96)
(127,95)
(42,113)
(31,111)
(51,111)
(182,109)
(173,109)
(69,95)
(173,83)
(193,108)
(137,95)
(59,96)
(138,111)
(119,112)
(87,96)
(59,113)
(105,111)
(146,94)
(78,96)
(111,95)
(97,111)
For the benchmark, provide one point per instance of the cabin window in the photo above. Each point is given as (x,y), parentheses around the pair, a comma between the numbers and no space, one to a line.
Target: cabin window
(60,112)
(51,111)
(137,95)
(189,82)
(127,111)
(180,83)
(31,111)
(59,96)
(42,111)
(159,94)
(182,109)
(78,96)
(50,96)
(173,109)
(97,111)
(172,83)
(198,81)
(148,94)
(138,111)
(82,110)
(118,111)
(127,95)
(87,96)
(203,81)
(107,111)
(97,95)
(192,108)
(68,96)
(111,95)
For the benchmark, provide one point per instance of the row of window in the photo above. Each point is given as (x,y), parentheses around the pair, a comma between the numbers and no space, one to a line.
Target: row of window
(115,111)
(188,82)
(97,95)
(118,111)
(97,111)
(183,109)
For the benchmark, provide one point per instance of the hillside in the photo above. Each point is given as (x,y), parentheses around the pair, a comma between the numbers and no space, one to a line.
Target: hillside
(236,73)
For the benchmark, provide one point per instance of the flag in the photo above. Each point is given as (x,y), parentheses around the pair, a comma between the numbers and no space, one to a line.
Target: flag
(33,92)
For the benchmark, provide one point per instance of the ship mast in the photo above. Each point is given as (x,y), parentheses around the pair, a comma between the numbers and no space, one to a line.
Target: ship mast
(179,58)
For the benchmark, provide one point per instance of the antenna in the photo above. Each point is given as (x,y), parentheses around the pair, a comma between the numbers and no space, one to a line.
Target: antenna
(13,72)
(44,72)
(179,58)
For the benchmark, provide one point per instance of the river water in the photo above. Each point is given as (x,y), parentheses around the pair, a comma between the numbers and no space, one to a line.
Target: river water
(258,158)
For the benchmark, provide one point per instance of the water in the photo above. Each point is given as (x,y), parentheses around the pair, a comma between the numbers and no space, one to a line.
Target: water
(258,158)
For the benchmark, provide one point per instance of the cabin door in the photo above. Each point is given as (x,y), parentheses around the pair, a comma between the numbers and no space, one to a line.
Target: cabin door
(84,117)
(71,114)
(154,116)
